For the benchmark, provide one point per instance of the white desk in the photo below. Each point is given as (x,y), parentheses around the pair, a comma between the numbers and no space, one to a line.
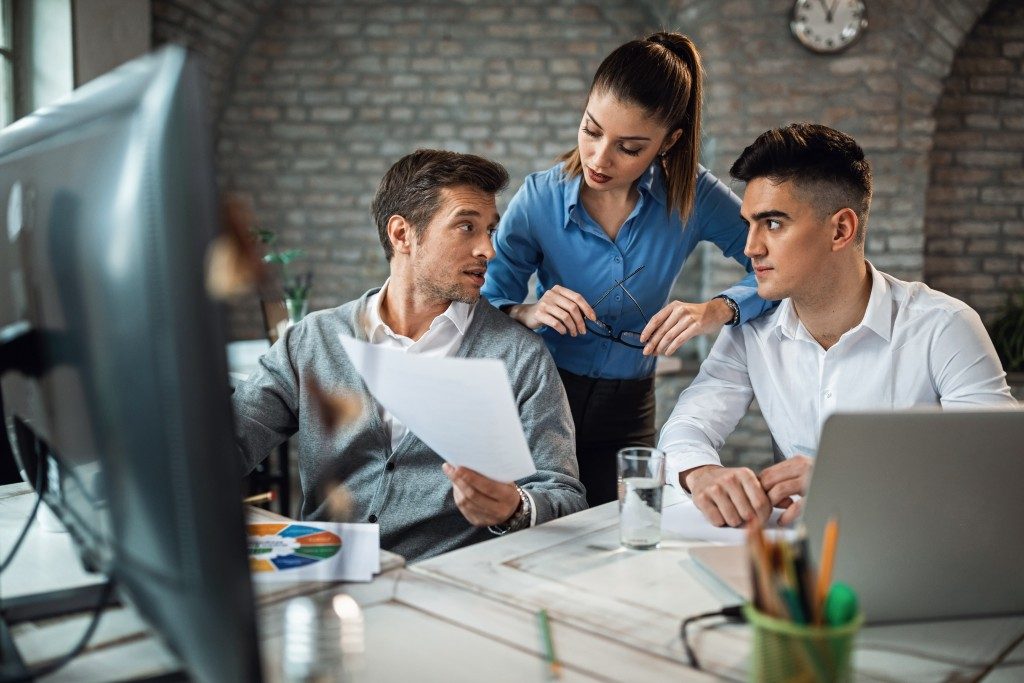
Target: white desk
(469,615)
(573,567)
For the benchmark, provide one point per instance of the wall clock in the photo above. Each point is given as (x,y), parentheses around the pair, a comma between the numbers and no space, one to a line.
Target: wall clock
(828,26)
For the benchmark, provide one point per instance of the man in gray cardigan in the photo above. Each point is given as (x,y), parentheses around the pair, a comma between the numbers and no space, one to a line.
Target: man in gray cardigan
(435,213)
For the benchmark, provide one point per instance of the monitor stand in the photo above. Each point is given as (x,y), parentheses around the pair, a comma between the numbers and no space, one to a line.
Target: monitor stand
(48,605)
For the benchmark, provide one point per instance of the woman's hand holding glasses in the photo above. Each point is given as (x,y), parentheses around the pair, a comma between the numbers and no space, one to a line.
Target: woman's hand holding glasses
(680,322)
(561,309)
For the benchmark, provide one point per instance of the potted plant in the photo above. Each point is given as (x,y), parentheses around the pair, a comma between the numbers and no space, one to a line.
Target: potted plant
(1007,333)
(294,287)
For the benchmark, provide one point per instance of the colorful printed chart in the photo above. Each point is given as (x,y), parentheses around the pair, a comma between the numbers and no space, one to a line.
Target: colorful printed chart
(281,547)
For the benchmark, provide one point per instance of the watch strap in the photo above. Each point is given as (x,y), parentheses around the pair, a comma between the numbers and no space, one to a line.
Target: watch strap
(735,307)
(520,519)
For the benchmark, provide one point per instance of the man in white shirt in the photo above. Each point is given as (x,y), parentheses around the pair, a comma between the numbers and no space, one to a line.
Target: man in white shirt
(844,337)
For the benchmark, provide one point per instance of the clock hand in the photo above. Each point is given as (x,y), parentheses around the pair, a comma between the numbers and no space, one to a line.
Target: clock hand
(828,12)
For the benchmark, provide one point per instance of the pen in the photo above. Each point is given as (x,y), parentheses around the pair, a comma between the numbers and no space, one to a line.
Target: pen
(828,556)
(266,497)
(804,578)
(549,645)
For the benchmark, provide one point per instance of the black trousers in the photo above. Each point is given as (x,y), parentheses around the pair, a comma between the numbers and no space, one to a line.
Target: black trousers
(609,414)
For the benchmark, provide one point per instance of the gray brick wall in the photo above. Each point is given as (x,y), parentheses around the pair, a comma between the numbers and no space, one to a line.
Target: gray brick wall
(974,218)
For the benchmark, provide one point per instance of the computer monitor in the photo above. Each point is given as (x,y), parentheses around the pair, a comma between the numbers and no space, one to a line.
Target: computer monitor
(115,379)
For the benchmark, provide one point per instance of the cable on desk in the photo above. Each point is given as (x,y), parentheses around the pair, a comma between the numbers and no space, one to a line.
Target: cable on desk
(40,470)
(47,669)
(1000,658)
(732,614)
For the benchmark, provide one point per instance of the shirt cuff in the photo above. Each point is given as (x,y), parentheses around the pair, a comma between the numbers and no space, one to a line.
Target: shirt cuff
(677,463)
(499,302)
(533,509)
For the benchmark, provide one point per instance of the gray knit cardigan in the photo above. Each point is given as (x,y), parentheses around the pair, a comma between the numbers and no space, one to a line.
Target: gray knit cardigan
(404,490)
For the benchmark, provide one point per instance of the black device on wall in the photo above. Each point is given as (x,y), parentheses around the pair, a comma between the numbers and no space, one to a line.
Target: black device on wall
(113,357)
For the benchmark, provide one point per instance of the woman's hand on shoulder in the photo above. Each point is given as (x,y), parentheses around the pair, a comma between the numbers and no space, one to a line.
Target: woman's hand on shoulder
(679,322)
(561,309)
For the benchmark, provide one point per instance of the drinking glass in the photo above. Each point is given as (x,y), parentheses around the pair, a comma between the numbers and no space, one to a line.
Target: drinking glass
(641,481)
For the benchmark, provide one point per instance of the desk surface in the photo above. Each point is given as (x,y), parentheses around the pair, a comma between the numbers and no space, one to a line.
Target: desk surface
(469,615)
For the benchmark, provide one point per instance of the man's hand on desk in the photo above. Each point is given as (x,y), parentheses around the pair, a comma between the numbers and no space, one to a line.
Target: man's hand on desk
(482,501)
(727,495)
(784,480)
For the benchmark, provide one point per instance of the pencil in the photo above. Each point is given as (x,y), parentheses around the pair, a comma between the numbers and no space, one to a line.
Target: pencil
(828,557)
(549,644)
(259,498)
(762,577)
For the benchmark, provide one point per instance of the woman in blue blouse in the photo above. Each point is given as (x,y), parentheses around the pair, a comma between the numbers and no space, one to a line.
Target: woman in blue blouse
(607,232)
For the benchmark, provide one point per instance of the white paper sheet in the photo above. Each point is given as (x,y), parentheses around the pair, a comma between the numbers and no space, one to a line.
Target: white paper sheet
(286,552)
(687,521)
(462,408)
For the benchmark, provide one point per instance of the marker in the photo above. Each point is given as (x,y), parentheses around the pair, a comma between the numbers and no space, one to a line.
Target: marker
(549,644)
(841,605)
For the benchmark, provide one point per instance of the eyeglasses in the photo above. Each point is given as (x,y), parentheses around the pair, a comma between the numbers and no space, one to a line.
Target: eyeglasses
(625,337)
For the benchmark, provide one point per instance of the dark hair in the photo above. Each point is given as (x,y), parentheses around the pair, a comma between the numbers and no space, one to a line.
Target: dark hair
(828,166)
(663,75)
(412,187)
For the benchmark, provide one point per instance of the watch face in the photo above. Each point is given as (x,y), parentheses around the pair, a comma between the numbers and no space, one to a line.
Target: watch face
(828,25)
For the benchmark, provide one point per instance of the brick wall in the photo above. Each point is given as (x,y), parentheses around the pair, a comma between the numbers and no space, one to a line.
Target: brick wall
(974,246)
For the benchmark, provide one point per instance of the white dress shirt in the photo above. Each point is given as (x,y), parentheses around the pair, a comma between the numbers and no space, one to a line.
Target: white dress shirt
(442,338)
(914,346)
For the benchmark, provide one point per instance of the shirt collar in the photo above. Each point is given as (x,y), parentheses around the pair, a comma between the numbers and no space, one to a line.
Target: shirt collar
(651,184)
(458,313)
(877,315)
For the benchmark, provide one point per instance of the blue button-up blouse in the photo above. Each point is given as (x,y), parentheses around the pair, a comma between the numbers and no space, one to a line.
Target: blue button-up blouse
(547,230)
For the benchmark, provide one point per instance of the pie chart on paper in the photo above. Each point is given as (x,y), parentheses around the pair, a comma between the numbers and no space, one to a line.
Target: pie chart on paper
(281,547)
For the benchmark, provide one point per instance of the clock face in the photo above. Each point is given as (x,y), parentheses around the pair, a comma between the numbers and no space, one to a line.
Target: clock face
(828,25)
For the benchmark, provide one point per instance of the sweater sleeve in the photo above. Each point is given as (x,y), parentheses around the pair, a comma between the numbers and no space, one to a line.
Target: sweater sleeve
(554,488)
(266,405)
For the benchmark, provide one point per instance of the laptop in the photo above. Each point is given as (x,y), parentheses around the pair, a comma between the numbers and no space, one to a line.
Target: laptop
(930,506)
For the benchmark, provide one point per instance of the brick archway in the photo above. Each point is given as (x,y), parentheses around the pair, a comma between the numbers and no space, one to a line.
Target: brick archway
(974,241)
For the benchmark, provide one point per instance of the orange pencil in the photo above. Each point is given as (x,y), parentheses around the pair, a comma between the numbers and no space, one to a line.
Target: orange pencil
(259,498)
(828,558)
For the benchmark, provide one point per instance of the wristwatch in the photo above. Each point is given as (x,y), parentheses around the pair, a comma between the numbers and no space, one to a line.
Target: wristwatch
(520,519)
(735,309)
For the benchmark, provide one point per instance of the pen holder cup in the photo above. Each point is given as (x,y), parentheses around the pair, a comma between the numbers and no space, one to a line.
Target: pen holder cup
(784,651)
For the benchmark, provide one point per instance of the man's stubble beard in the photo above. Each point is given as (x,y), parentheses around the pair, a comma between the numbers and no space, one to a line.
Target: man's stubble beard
(446,292)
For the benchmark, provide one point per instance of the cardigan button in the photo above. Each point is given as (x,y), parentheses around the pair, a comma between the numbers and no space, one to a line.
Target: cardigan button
(373,519)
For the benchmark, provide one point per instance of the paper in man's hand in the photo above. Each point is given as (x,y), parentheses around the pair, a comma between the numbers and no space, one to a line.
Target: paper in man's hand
(462,408)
